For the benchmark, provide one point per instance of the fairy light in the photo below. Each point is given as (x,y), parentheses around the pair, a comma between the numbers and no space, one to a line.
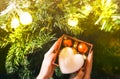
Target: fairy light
(15,23)
(88,8)
(3,26)
(25,18)
(72,21)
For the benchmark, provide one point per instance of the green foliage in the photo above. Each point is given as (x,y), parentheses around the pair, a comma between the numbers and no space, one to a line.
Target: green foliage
(58,72)
(106,10)
(16,60)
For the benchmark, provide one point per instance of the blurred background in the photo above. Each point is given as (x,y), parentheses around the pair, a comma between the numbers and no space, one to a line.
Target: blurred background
(22,45)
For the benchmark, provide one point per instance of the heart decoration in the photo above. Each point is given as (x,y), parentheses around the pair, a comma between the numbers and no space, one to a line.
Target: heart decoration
(69,61)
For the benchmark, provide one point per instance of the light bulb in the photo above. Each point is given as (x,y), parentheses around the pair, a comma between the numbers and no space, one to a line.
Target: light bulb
(72,21)
(25,18)
(15,23)
(88,8)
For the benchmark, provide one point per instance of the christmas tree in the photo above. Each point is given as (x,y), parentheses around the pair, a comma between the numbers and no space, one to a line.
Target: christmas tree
(28,27)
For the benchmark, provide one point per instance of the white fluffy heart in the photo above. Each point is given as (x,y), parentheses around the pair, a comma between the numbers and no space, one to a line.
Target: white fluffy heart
(70,62)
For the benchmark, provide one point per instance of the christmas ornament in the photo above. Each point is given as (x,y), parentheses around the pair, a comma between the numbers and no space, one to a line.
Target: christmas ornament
(15,23)
(67,42)
(84,56)
(72,21)
(82,48)
(75,44)
(25,18)
(70,62)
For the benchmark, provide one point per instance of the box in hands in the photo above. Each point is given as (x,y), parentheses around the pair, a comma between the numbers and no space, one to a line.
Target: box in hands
(73,54)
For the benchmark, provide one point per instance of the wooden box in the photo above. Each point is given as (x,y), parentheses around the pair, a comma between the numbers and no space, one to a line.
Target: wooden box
(72,50)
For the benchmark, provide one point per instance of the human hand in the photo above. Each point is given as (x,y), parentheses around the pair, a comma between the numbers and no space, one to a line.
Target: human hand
(85,73)
(47,68)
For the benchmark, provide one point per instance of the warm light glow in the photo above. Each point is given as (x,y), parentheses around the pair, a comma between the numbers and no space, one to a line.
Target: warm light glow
(88,8)
(72,21)
(25,18)
(15,23)
(3,26)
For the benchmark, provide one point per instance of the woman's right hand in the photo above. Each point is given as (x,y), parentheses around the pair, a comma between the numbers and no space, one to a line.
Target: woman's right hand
(85,73)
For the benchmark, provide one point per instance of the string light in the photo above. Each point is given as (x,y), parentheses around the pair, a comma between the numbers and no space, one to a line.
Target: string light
(15,23)
(25,18)
(88,8)
(3,26)
(72,21)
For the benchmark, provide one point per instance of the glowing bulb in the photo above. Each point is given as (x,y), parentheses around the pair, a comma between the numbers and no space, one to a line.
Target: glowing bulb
(15,23)
(72,21)
(25,18)
(3,26)
(88,8)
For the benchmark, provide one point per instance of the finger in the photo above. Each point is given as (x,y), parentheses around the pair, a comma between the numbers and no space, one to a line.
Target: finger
(55,46)
(52,68)
(89,63)
(80,74)
(56,65)
(90,59)
(90,56)
(52,58)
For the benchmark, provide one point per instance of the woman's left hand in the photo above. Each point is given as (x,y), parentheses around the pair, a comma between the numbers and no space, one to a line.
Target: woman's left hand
(47,68)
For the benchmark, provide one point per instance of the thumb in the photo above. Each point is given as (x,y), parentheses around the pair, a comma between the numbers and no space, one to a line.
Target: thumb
(55,46)
(80,74)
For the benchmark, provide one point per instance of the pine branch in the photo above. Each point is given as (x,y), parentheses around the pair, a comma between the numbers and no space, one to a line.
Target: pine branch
(21,47)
